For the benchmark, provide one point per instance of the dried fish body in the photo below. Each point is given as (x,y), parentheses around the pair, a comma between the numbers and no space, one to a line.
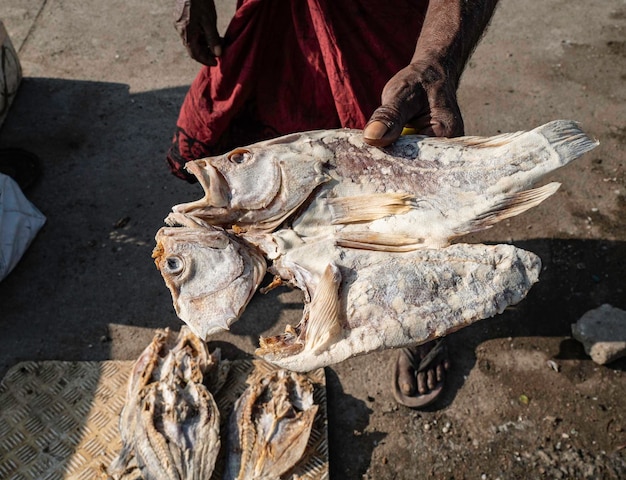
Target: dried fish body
(211,275)
(269,427)
(418,193)
(364,301)
(170,422)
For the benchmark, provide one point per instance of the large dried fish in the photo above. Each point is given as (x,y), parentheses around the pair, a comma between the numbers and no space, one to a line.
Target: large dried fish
(269,428)
(419,192)
(365,301)
(170,422)
(210,274)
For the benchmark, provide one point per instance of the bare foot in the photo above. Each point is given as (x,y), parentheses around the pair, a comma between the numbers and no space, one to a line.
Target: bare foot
(419,374)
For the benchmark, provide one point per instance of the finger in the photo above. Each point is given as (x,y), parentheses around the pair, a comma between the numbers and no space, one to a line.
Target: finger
(209,27)
(213,40)
(201,53)
(445,116)
(447,123)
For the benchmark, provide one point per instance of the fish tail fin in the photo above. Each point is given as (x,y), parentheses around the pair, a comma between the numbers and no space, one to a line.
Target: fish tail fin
(566,139)
(323,326)
(548,146)
(510,206)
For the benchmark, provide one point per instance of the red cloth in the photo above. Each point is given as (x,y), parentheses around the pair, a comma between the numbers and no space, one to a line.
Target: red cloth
(293,66)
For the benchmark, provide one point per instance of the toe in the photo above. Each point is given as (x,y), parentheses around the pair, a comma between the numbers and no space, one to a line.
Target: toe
(406,375)
(422,386)
(431,378)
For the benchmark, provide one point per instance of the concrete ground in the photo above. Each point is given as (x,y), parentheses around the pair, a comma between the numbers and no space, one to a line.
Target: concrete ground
(103,82)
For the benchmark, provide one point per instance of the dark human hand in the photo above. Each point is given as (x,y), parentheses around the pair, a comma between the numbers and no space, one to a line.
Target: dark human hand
(196,23)
(420,96)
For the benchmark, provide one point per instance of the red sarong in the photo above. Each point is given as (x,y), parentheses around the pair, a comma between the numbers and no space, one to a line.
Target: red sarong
(294,65)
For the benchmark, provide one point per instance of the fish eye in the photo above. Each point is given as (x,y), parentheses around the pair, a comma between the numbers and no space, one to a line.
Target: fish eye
(174,265)
(239,156)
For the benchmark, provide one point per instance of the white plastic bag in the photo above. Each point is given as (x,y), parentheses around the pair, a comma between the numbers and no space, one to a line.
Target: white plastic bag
(19,223)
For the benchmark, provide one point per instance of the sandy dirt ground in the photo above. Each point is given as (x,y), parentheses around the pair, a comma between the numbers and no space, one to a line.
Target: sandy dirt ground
(103,82)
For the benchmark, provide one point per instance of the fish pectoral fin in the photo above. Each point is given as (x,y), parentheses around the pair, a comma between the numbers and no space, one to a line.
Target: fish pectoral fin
(509,206)
(323,326)
(379,242)
(367,208)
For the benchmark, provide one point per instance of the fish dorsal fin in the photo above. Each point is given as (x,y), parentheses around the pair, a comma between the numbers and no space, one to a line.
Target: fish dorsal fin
(367,208)
(323,326)
(510,206)
(380,242)
(562,138)
(476,141)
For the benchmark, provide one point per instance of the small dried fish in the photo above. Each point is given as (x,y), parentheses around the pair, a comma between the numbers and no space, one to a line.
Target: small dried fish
(269,428)
(211,275)
(170,422)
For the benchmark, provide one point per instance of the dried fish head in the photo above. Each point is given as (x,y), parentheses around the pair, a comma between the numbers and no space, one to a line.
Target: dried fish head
(211,275)
(257,186)
(270,425)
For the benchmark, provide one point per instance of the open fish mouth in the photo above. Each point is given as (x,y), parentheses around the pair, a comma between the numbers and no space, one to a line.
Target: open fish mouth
(387,217)
(213,183)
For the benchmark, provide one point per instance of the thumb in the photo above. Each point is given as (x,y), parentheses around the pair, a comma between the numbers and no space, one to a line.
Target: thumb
(384,127)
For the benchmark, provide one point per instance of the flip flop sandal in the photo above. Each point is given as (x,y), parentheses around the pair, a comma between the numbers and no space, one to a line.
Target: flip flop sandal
(22,166)
(437,355)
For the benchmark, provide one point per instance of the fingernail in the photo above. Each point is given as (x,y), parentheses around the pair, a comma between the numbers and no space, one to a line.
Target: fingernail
(217,50)
(375,130)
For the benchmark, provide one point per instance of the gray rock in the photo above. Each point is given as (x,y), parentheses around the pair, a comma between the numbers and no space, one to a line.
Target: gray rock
(602,332)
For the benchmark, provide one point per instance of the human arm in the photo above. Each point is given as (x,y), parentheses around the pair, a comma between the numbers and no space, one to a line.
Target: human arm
(196,23)
(423,94)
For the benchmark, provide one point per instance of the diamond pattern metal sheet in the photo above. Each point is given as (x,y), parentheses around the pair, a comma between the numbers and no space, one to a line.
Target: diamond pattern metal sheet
(59,420)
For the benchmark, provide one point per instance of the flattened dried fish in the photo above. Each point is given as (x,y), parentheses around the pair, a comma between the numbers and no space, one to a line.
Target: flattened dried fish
(269,428)
(170,422)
